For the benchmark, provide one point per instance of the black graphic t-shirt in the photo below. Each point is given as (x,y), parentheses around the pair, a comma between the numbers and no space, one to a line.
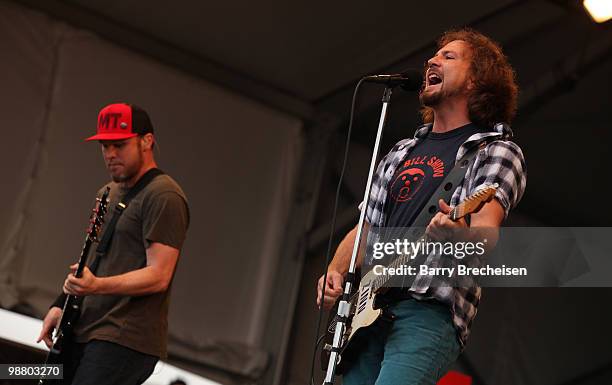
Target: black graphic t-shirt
(421,172)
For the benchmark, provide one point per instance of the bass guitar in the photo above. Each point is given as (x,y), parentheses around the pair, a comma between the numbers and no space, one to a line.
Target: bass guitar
(72,304)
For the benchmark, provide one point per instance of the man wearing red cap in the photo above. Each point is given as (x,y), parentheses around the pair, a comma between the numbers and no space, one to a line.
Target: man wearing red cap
(122,330)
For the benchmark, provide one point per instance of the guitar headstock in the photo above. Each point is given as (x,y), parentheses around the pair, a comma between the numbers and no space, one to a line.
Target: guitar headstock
(474,202)
(99,211)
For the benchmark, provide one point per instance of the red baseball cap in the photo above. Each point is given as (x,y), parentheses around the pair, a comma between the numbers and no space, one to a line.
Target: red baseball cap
(121,121)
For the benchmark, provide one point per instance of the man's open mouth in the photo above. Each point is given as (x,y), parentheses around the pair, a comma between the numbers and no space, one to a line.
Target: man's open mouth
(433,79)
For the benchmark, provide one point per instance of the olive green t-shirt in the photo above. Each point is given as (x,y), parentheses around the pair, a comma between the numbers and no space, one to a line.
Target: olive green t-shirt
(158,213)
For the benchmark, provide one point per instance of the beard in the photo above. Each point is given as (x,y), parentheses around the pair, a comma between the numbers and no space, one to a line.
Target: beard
(121,177)
(431,99)
(129,170)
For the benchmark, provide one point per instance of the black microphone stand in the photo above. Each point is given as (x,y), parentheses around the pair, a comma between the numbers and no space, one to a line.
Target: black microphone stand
(344,305)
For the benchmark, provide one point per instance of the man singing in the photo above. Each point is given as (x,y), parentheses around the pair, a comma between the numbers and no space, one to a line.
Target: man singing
(469,93)
(122,330)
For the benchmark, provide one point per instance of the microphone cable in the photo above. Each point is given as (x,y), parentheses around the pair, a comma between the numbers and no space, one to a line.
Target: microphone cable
(332,228)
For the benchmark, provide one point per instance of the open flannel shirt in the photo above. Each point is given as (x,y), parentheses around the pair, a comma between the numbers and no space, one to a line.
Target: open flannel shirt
(500,161)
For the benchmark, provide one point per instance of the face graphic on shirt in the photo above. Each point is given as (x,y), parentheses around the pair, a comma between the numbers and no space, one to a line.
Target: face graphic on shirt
(406,184)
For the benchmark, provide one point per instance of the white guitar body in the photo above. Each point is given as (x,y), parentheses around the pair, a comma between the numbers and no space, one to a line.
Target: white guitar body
(365,314)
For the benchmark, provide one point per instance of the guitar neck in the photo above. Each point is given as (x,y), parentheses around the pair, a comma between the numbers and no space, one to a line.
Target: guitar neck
(382,280)
(469,205)
(71,302)
(89,238)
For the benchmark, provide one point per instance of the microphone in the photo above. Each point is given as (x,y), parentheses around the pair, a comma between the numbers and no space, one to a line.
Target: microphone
(409,80)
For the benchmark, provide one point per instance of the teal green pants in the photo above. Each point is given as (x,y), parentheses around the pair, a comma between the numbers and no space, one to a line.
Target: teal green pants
(416,349)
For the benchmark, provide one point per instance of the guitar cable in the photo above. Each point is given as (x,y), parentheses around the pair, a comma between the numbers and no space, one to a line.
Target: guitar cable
(332,228)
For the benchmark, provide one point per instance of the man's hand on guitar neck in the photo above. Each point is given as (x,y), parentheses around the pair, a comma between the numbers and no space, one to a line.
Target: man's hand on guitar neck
(49,324)
(155,277)
(484,224)
(441,227)
(85,285)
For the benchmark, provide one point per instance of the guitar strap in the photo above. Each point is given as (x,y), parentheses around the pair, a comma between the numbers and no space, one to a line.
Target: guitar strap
(107,237)
(445,190)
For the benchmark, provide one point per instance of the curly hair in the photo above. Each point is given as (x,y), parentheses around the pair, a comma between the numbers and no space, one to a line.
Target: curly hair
(493,98)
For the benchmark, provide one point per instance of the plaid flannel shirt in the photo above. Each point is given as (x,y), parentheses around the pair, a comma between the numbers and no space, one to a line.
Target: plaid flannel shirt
(501,161)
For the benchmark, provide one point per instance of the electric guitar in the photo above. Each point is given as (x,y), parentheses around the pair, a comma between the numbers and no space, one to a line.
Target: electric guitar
(72,305)
(364,307)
